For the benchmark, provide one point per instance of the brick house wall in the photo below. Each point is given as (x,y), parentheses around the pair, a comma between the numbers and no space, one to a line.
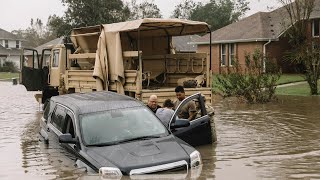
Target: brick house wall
(240,51)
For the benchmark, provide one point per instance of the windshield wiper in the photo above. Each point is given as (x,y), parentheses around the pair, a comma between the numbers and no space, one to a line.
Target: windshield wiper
(104,144)
(138,138)
(126,140)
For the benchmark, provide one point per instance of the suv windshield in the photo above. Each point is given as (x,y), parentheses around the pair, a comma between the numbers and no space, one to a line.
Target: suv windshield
(114,126)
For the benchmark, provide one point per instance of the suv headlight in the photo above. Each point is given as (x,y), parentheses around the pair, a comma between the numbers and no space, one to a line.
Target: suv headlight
(110,172)
(195,159)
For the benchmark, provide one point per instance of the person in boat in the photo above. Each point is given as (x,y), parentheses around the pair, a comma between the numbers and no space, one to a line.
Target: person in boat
(188,111)
(153,103)
(165,113)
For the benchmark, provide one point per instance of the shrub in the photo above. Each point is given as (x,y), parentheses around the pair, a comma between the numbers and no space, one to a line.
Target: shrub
(8,66)
(250,83)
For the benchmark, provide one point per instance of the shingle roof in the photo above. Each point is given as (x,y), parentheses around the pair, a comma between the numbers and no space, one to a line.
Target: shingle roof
(7,35)
(46,45)
(261,26)
(10,51)
(182,43)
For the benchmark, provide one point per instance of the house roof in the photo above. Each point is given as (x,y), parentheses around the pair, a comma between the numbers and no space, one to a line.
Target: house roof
(9,51)
(47,45)
(7,35)
(182,43)
(261,26)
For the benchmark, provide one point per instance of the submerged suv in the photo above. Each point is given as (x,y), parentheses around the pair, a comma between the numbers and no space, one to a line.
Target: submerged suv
(117,135)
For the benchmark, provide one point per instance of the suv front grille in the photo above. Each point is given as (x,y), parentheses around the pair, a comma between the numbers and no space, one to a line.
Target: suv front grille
(179,165)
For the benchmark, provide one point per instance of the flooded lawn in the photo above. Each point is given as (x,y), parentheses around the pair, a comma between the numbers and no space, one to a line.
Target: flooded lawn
(277,141)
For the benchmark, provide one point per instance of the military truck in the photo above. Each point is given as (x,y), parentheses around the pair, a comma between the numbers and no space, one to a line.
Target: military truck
(135,58)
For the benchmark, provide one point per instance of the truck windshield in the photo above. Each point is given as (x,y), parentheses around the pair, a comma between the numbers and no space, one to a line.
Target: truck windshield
(115,126)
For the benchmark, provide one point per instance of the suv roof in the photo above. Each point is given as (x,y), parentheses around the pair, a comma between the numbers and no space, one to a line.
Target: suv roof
(83,103)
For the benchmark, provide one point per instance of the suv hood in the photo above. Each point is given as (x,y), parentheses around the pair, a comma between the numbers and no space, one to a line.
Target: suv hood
(139,154)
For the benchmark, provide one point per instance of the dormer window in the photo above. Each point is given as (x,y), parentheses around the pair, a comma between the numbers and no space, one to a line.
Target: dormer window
(6,43)
(18,44)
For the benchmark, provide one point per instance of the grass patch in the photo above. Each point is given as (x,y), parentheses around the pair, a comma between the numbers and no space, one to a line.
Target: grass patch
(296,90)
(290,78)
(8,75)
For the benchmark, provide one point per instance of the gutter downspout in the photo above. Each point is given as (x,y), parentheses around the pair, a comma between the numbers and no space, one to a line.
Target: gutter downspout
(264,55)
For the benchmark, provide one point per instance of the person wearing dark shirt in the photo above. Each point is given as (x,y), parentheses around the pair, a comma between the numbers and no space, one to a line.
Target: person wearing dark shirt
(153,103)
(188,111)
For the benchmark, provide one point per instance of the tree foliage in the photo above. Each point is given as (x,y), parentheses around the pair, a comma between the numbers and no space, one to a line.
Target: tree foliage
(305,50)
(217,13)
(144,10)
(58,26)
(184,9)
(251,83)
(36,34)
(92,12)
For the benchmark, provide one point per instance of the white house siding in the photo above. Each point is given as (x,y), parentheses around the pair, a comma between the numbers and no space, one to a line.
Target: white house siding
(11,43)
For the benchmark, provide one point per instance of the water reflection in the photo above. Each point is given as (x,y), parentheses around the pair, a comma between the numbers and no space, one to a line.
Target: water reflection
(278,141)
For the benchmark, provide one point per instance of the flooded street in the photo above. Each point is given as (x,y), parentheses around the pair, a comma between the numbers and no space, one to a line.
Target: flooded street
(274,141)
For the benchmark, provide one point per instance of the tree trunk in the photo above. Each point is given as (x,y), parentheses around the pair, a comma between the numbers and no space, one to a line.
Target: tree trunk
(313,84)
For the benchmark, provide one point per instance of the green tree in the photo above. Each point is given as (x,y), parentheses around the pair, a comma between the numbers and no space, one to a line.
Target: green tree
(217,13)
(58,26)
(184,9)
(81,13)
(305,50)
(36,34)
(144,10)
(92,12)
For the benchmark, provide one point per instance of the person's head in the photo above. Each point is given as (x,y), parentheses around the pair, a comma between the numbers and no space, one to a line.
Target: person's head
(180,93)
(168,104)
(153,101)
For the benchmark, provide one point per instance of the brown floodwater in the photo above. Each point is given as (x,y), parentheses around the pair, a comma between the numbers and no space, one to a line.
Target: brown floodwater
(280,140)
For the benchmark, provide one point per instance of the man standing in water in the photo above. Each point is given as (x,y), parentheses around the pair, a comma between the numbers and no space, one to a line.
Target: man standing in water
(153,103)
(188,111)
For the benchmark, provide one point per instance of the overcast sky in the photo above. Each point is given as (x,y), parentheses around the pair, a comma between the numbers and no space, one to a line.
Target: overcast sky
(16,14)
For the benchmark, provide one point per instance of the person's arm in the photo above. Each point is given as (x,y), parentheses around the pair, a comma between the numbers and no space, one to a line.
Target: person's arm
(192,110)
(192,114)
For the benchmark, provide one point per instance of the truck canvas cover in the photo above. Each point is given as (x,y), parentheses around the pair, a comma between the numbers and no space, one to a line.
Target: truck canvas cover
(109,60)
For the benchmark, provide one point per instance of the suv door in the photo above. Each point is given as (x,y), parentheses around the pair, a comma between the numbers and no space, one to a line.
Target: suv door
(199,132)
(70,127)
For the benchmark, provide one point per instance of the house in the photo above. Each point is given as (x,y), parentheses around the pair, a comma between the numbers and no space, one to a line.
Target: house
(10,46)
(264,31)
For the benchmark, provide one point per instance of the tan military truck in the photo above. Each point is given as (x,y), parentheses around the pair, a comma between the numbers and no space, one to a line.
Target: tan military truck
(135,58)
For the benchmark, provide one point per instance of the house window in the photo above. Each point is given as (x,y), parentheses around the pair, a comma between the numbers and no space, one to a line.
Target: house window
(315,28)
(223,54)
(231,54)
(6,43)
(17,44)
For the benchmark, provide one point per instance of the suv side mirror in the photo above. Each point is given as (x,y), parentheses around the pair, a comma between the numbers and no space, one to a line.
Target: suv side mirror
(67,138)
(179,123)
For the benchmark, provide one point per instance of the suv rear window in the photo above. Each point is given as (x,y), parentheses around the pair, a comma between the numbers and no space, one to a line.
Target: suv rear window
(58,118)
